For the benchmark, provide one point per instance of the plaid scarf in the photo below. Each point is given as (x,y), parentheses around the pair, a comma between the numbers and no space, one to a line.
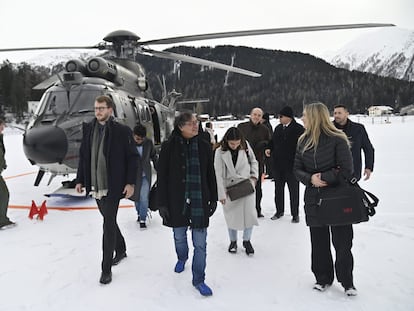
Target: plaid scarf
(193,206)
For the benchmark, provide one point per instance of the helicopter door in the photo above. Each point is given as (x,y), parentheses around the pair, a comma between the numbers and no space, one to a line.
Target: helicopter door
(156,124)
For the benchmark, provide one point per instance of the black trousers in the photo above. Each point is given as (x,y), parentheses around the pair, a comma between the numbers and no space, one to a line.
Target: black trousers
(281,178)
(322,264)
(112,239)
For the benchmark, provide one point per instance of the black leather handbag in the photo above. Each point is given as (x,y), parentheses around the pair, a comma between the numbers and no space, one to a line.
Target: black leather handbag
(240,190)
(344,204)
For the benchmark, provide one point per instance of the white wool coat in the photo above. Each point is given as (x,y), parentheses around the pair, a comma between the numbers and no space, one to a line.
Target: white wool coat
(239,214)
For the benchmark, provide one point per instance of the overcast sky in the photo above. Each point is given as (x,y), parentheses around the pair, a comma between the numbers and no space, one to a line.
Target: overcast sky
(82,22)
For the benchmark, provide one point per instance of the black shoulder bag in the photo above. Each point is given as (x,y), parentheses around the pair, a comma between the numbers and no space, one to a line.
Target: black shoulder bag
(344,204)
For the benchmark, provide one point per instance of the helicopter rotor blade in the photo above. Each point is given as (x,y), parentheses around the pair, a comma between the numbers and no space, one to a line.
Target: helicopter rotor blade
(200,61)
(98,46)
(219,35)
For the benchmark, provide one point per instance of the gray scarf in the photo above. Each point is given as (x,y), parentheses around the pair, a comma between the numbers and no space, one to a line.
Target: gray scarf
(99,176)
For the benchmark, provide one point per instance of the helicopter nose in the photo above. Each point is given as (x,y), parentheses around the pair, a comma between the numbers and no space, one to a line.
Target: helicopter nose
(46,144)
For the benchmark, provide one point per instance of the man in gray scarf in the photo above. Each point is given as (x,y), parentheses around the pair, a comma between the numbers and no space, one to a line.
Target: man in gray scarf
(107,169)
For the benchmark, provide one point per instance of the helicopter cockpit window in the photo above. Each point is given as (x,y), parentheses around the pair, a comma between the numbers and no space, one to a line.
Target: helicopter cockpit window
(77,101)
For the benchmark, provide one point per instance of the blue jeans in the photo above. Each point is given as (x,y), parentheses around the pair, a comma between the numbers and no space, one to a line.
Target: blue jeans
(199,237)
(142,205)
(247,234)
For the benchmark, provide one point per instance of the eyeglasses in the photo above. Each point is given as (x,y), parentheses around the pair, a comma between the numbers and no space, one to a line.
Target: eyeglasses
(192,123)
(100,108)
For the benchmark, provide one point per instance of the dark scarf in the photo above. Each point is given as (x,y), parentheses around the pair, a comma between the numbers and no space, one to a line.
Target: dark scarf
(99,173)
(193,206)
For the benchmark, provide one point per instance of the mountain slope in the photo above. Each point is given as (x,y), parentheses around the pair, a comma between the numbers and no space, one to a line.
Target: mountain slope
(387,52)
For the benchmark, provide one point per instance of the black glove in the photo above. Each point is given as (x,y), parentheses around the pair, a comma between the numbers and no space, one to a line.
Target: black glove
(164,213)
(212,208)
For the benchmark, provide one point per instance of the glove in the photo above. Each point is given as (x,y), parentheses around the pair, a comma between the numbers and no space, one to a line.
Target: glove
(164,213)
(212,208)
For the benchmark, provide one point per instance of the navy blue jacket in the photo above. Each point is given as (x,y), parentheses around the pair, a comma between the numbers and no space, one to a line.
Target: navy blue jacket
(358,137)
(120,153)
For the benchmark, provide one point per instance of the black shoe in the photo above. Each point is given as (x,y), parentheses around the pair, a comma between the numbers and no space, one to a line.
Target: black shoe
(249,248)
(321,287)
(117,259)
(233,247)
(295,219)
(260,215)
(106,278)
(143,225)
(138,219)
(276,216)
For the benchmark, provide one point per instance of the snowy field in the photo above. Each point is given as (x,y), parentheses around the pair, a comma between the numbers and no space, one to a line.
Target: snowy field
(55,264)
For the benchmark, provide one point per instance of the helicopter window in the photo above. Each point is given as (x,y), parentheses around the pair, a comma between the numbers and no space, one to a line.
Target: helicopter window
(76,101)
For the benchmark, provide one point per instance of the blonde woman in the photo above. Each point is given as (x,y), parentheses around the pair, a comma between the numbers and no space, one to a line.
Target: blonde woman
(234,161)
(322,151)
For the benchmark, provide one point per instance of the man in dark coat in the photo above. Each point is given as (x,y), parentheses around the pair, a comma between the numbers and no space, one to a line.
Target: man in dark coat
(258,137)
(187,193)
(282,149)
(107,169)
(4,191)
(358,137)
(146,154)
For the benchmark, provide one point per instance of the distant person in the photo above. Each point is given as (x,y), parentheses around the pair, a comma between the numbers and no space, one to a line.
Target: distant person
(359,139)
(210,131)
(187,193)
(107,169)
(268,161)
(322,152)
(234,162)
(146,154)
(258,137)
(203,134)
(4,191)
(282,149)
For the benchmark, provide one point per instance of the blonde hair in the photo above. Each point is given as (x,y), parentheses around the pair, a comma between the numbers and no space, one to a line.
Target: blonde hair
(318,122)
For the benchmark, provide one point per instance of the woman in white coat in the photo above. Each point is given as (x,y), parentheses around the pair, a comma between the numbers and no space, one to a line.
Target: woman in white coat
(234,161)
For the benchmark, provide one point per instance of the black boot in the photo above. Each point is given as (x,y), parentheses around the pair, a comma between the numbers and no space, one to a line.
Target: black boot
(249,248)
(233,247)
(106,278)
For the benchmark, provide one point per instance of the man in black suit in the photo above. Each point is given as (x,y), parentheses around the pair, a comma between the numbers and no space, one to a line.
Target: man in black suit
(282,149)
(358,137)
(107,169)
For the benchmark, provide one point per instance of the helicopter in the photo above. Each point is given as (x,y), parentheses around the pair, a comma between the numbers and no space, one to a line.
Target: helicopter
(53,135)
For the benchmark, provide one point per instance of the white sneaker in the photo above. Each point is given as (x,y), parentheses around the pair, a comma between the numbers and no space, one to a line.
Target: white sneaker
(352,291)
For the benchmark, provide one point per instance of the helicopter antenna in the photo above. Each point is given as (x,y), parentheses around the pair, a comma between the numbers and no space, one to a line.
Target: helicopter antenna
(233,57)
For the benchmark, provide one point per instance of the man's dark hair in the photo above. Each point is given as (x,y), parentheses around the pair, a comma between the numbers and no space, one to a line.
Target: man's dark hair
(2,122)
(105,99)
(341,106)
(182,118)
(140,130)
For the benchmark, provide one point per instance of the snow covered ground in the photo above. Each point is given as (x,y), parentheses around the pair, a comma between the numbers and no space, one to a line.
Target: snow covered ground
(55,264)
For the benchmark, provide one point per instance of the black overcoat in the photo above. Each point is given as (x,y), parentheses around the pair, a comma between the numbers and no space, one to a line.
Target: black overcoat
(283,146)
(120,154)
(171,174)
